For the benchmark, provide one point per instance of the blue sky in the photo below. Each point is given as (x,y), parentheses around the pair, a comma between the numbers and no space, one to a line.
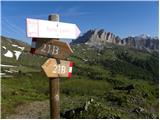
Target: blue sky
(122,18)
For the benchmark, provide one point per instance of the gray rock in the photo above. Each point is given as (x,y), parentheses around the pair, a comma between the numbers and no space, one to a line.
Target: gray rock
(99,38)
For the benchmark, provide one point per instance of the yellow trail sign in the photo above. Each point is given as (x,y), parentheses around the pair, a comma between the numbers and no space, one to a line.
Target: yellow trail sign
(60,68)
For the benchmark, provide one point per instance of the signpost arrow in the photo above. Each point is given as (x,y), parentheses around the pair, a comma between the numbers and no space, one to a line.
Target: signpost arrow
(51,48)
(53,69)
(51,29)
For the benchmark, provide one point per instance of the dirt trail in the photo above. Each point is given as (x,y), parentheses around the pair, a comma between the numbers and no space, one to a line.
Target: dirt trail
(34,110)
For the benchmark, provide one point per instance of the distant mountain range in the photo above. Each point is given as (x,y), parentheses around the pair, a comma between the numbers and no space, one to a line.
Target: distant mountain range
(99,38)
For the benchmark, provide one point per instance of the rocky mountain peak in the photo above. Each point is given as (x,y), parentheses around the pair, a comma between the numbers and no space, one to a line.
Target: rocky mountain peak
(96,37)
(99,38)
(144,36)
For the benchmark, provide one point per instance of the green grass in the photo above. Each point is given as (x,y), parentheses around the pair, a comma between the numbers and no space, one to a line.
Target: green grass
(75,92)
(22,89)
(94,79)
(85,87)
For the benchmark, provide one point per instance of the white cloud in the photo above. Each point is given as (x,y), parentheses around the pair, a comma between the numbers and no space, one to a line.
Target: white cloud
(75,11)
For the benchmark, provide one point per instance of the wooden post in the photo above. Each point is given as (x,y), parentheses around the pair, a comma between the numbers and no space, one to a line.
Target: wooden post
(54,86)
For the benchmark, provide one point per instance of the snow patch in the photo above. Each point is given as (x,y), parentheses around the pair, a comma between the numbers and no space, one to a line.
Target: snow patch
(2,65)
(85,60)
(8,71)
(4,47)
(17,54)
(11,54)
(2,74)
(11,71)
(22,48)
(8,54)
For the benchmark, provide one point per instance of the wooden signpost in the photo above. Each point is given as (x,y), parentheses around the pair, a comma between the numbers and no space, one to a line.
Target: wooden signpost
(45,41)
(51,48)
(54,69)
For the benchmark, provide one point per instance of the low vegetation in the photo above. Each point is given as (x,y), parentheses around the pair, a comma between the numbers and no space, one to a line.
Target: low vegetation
(115,82)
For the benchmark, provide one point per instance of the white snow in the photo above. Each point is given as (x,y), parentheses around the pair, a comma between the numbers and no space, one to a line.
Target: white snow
(8,71)
(8,54)
(3,47)
(22,48)
(85,60)
(2,74)
(17,54)
(144,36)
(11,54)
(2,65)
(14,45)
(11,71)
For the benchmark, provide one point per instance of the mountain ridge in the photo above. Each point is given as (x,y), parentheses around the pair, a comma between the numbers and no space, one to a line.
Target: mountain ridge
(99,37)
(14,39)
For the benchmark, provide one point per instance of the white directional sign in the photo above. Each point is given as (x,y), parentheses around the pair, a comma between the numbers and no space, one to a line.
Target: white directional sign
(49,29)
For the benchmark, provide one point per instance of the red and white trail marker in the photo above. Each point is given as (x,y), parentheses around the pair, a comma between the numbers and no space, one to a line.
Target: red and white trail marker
(51,29)
(70,69)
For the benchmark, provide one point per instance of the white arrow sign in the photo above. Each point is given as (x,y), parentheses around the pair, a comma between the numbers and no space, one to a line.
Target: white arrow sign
(50,29)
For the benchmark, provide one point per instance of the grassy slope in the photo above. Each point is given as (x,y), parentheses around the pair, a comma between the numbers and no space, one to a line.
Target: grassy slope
(95,75)
(25,58)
